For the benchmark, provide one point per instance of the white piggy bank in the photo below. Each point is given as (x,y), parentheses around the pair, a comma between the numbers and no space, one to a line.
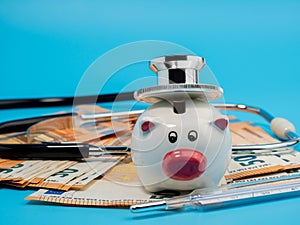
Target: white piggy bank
(181,151)
(180,142)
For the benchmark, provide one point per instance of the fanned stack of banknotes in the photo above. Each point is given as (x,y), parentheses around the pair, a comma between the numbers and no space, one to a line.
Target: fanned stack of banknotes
(111,180)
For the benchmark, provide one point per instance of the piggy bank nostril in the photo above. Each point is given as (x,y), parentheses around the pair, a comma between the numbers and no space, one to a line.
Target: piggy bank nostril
(184,164)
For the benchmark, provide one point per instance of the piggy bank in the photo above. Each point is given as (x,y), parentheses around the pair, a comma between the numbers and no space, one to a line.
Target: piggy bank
(180,142)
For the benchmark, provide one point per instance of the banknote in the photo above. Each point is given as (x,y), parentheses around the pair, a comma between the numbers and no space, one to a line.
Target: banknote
(107,164)
(107,194)
(79,174)
(120,187)
(247,133)
(23,173)
(289,175)
(249,165)
(70,129)
(56,174)
(7,163)
(99,193)
(16,172)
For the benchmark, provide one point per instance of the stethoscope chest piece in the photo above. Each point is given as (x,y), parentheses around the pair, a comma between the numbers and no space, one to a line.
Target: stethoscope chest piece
(178,79)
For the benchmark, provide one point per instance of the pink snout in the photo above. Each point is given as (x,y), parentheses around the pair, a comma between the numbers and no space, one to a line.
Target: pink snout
(184,164)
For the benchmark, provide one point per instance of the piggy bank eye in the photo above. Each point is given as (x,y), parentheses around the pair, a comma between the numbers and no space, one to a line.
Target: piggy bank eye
(172,136)
(192,135)
(146,126)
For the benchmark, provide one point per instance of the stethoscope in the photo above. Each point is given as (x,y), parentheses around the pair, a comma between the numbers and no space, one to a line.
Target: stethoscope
(282,128)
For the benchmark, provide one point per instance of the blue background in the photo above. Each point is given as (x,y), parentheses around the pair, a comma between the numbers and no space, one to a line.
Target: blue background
(252,47)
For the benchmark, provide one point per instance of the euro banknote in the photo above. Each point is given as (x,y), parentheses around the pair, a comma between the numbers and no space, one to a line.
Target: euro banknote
(120,187)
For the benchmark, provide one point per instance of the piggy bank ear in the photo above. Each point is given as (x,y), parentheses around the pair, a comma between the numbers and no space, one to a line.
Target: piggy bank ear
(147,126)
(221,123)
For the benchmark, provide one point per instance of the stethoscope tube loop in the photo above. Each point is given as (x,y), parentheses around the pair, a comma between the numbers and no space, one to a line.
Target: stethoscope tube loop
(281,127)
(64,101)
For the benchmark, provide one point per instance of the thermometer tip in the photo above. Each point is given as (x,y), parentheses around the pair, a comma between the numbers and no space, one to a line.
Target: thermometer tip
(149,206)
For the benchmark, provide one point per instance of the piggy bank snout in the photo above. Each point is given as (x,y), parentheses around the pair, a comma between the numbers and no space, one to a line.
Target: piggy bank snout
(184,164)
